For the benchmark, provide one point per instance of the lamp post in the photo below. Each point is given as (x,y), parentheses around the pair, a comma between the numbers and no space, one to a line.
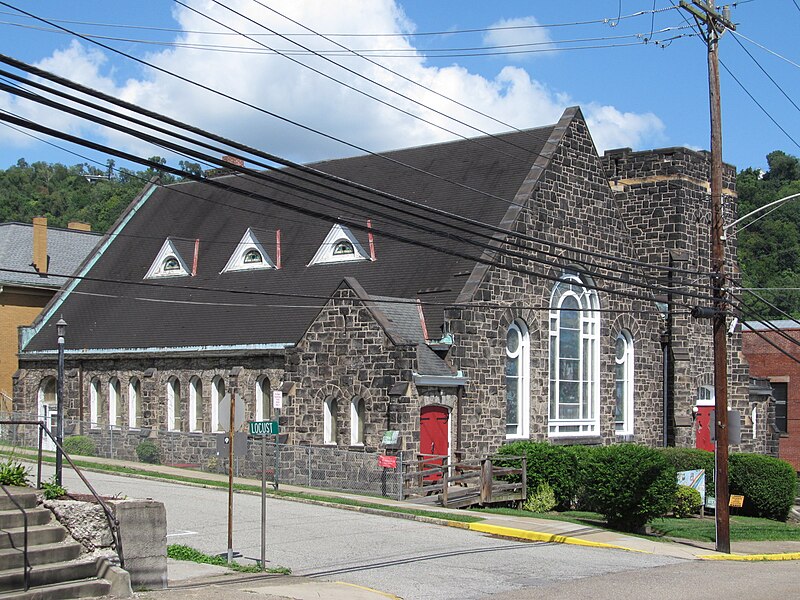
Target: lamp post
(61,328)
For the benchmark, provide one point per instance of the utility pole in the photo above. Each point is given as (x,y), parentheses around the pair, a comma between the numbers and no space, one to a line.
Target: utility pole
(712,25)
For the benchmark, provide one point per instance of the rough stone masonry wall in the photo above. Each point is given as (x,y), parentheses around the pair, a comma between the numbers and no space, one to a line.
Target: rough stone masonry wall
(572,205)
(664,198)
(346,354)
(153,375)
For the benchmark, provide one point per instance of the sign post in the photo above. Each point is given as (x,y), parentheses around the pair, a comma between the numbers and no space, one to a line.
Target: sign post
(262,428)
(277,405)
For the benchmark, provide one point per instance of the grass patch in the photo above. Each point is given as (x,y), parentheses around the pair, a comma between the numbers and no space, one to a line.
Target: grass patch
(743,529)
(180,552)
(87,464)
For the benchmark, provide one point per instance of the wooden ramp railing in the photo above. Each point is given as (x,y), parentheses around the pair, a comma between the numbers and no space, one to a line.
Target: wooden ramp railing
(433,479)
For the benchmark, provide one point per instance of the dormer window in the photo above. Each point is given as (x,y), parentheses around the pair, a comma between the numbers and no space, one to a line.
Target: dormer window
(253,256)
(249,255)
(340,245)
(168,263)
(343,247)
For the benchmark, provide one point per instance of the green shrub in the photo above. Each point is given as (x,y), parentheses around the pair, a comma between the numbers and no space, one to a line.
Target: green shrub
(542,500)
(582,499)
(630,485)
(546,463)
(53,491)
(687,502)
(148,452)
(768,485)
(13,473)
(80,445)
(692,459)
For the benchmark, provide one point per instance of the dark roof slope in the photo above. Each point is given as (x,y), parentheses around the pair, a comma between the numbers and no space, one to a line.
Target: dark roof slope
(66,249)
(276,306)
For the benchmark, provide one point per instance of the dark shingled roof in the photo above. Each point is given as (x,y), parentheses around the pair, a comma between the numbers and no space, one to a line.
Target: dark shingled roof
(66,249)
(114,311)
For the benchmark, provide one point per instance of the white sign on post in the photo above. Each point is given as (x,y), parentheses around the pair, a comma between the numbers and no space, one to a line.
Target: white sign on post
(277,399)
(224,413)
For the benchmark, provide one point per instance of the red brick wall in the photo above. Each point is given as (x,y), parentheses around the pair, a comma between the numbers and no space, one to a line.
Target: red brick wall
(767,361)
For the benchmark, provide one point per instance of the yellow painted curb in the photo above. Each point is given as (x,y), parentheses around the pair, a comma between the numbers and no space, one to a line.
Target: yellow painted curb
(367,589)
(751,557)
(537,536)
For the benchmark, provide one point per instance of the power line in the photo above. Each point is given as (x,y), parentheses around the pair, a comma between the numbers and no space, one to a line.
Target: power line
(409,34)
(325,217)
(284,162)
(413,226)
(791,62)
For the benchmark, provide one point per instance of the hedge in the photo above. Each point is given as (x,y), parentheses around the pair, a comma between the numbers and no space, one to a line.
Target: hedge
(80,445)
(546,463)
(769,485)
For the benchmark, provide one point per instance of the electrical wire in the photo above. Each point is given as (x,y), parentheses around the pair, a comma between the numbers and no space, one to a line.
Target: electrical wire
(740,35)
(301,210)
(418,226)
(438,213)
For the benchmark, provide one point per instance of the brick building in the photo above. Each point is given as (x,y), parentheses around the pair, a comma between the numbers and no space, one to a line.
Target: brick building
(541,313)
(773,357)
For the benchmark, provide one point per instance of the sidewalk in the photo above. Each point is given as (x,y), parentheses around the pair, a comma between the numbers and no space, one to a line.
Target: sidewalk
(525,528)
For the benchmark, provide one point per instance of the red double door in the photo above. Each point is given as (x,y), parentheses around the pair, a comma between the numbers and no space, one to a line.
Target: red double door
(704,425)
(434,435)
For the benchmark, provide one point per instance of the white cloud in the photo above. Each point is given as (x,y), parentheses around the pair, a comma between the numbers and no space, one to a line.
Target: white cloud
(282,87)
(522,38)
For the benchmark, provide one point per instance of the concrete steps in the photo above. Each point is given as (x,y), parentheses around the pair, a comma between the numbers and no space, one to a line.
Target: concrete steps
(57,570)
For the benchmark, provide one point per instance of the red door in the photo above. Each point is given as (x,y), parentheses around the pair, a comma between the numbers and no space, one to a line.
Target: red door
(433,436)
(703,424)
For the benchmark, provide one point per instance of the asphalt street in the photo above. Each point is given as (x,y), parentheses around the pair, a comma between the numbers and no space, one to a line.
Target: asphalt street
(408,559)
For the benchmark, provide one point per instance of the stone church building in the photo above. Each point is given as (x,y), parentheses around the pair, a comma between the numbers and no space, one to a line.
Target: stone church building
(464,294)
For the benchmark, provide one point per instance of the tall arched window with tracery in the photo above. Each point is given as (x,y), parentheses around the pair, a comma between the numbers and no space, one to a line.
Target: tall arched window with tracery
(574,358)
(517,379)
(623,379)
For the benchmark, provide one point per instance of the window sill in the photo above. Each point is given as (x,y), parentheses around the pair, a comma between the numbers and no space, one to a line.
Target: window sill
(575,440)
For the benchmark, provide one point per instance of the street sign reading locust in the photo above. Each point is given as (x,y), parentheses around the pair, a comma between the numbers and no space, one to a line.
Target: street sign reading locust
(263,427)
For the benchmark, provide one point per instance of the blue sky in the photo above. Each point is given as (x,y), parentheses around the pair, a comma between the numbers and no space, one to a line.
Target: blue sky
(633,93)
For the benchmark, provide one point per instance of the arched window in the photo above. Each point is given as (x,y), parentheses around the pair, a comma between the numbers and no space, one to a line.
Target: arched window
(134,403)
(48,409)
(574,359)
(517,380)
(173,404)
(114,405)
(263,404)
(330,425)
(217,394)
(343,248)
(171,264)
(357,408)
(195,400)
(252,256)
(623,378)
(94,402)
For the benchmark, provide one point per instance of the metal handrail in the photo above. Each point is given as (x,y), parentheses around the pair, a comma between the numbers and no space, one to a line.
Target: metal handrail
(26,565)
(113,522)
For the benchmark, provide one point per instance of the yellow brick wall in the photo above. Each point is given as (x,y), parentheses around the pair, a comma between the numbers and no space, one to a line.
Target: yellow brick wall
(18,306)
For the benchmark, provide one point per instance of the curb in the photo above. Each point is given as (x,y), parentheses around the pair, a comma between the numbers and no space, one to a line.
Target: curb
(537,536)
(751,557)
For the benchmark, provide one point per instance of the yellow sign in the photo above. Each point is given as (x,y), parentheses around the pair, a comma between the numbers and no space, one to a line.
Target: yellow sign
(736,501)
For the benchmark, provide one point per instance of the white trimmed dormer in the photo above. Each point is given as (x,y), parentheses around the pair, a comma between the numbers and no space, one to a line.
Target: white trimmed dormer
(249,255)
(168,263)
(340,245)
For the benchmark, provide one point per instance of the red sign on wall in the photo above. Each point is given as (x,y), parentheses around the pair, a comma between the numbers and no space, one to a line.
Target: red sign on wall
(387,462)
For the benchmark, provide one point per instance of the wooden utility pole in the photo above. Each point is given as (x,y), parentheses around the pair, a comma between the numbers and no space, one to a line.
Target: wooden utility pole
(712,25)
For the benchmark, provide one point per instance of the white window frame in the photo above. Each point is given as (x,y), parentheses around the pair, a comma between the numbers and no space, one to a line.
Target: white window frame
(521,381)
(587,423)
(330,425)
(263,399)
(339,233)
(706,396)
(357,421)
(173,404)
(94,402)
(114,408)
(166,252)
(195,400)
(217,394)
(248,242)
(134,403)
(624,373)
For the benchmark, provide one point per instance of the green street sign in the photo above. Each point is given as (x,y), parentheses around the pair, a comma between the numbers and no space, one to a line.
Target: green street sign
(263,428)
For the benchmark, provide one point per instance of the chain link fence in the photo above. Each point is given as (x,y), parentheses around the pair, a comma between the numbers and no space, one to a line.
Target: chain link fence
(323,467)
